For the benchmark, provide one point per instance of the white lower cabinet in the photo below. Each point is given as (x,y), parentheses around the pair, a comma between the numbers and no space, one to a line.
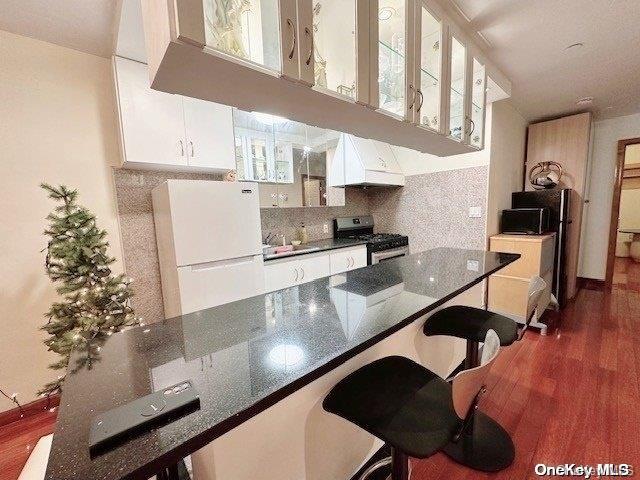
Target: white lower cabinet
(346,259)
(287,272)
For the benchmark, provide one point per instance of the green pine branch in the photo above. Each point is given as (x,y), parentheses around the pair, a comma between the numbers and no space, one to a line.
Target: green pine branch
(95,303)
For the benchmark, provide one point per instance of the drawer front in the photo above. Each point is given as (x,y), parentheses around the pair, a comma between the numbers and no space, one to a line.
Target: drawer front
(280,275)
(534,258)
(312,267)
(509,295)
(347,259)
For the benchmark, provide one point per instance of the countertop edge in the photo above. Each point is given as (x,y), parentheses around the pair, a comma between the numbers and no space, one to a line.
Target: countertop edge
(206,437)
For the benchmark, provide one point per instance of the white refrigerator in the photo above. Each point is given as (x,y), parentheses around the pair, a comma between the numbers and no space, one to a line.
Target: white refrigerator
(209,243)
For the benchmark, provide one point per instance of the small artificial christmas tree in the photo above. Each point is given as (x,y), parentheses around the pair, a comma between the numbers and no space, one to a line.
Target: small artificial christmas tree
(95,302)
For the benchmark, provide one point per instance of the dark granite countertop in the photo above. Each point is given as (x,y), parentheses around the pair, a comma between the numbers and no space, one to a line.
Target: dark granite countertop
(318,246)
(247,355)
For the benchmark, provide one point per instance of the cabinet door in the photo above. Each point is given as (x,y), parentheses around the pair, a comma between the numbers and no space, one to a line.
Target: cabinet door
(457,88)
(393,38)
(209,134)
(335,43)
(429,62)
(359,257)
(477,104)
(151,122)
(312,267)
(280,274)
(346,259)
(249,30)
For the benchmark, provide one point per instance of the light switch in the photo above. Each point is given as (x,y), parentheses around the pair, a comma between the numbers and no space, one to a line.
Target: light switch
(475,212)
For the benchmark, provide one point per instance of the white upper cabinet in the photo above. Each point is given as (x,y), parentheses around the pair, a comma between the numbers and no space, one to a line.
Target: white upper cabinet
(151,122)
(428,107)
(208,134)
(478,103)
(388,70)
(161,130)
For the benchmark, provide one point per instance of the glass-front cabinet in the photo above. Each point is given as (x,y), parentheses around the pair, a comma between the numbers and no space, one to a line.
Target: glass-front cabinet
(392,55)
(429,48)
(478,99)
(289,159)
(457,89)
(335,46)
(245,29)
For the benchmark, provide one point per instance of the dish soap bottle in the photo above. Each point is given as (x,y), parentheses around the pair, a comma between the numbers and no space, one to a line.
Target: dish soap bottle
(303,236)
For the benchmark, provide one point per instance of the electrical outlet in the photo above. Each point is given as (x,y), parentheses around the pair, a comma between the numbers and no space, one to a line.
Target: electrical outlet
(325,228)
(475,212)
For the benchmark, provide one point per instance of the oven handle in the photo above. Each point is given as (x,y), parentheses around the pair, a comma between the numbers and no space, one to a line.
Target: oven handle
(395,252)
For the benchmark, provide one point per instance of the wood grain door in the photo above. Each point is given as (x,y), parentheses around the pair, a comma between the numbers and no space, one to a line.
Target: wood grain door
(566,141)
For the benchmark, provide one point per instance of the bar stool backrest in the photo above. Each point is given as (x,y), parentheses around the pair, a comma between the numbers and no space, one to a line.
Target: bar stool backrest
(468,384)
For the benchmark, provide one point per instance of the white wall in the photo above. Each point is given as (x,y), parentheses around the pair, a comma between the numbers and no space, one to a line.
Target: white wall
(509,132)
(597,213)
(58,125)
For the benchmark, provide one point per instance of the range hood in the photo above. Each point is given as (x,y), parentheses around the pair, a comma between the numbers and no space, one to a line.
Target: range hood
(361,161)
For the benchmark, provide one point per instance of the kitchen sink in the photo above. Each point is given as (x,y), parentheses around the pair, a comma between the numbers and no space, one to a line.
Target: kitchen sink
(270,253)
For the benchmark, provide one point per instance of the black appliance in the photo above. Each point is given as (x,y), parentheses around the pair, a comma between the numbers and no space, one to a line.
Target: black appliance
(525,221)
(557,201)
(380,246)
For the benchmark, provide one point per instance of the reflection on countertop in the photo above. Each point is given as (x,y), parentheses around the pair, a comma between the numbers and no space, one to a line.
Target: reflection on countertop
(246,355)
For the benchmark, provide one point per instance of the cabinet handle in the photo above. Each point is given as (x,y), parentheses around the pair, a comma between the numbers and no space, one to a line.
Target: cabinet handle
(473,126)
(181,145)
(296,270)
(293,38)
(421,100)
(192,150)
(413,97)
(302,273)
(307,32)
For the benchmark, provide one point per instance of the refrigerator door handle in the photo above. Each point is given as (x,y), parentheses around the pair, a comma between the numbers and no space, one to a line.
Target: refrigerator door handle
(222,263)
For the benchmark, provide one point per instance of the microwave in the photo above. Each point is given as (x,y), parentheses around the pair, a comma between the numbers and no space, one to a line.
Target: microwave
(525,221)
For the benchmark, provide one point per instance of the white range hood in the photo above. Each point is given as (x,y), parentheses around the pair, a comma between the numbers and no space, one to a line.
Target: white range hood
(361,161)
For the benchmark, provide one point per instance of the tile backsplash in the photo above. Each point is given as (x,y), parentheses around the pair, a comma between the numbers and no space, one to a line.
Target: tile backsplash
(432,209)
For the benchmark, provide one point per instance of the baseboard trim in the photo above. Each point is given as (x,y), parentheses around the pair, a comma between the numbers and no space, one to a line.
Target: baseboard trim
(37,406)
(591,284)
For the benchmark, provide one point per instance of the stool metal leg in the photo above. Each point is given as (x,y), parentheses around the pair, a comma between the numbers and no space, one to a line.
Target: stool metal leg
(399,465)
(473,357)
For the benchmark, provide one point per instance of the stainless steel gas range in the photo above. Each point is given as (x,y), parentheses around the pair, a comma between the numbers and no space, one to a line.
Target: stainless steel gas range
(380,246)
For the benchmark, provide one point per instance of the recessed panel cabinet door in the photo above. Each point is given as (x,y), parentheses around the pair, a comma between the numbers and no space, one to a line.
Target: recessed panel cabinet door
(151,122)
(209,134)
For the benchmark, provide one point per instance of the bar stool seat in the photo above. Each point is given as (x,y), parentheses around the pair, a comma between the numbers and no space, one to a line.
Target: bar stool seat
(400,402)
(471,324)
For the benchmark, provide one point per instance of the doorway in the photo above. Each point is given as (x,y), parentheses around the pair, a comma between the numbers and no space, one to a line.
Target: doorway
(623,258)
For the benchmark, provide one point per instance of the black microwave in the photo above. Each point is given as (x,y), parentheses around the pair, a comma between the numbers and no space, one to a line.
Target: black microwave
(525,221)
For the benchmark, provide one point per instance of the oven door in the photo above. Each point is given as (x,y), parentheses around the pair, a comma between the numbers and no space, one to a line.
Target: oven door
(377,257)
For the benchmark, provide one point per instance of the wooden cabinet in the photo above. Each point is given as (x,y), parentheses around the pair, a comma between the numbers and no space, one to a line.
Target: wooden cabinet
(508,289)
(161,130)
(376,69)
(565,141)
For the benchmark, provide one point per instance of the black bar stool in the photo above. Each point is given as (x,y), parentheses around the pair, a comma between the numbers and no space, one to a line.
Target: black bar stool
(409,407)
(484,445)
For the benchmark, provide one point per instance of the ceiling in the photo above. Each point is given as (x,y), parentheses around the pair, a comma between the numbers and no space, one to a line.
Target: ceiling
(85,25)
(527,41)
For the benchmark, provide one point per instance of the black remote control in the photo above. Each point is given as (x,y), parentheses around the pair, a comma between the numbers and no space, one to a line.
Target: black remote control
(161,407)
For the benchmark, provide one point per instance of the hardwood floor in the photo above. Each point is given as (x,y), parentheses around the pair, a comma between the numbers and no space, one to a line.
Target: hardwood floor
(570,397)
(626,273)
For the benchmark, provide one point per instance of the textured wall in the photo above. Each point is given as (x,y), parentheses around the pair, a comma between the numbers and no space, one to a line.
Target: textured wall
(286,221)
(433,209)
(138,234)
